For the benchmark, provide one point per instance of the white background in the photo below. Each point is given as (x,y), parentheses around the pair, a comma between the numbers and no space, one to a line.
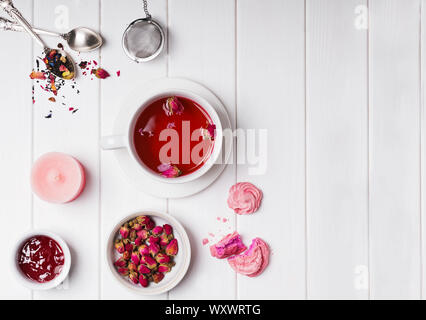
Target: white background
(343,209)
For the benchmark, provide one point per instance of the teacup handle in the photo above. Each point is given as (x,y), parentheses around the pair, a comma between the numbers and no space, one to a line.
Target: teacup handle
(113,142)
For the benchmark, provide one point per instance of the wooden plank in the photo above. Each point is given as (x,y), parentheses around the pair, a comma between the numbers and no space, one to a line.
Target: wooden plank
(395,149)
(270,86)
(15,138)
(119,196)
(423,139)
(202,44)
(76,134)
(337,150)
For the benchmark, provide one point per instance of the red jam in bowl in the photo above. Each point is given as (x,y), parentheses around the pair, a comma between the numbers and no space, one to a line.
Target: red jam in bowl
(41,258)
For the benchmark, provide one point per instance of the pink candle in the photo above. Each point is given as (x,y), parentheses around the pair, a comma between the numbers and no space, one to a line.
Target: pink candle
(57,177)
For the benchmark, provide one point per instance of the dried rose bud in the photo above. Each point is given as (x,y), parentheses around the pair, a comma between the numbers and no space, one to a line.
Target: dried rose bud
(153,239)
(100,73)
(133,276)
(164,268)
(129,247)
(144,234)
(154,249)
(120,263)
(149,261)
(173,106)
(143,280)
(211,130)
(143,249)
(164,240)
(123,271)
(132,266)
(143,269)
(142,220)
(157,230)
(162,258)
(135,257)
(126,255)
(150,225)
(138,241)
(137,226)
(132,235)
(119,246)
(168,229)
(124,231)
(157,277)
(143,258)
(136,220)
(169,171)
(172,248)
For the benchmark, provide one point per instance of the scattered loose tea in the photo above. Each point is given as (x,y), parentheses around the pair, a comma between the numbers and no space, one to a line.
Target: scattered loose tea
(52,84)
(37,75)
(59,64)
(49,115)
(83,64)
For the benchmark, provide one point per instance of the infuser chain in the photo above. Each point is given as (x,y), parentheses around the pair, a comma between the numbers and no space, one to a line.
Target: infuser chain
(145,8)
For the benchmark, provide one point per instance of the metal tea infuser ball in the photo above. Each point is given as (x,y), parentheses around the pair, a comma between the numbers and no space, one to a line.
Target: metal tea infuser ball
(143,39)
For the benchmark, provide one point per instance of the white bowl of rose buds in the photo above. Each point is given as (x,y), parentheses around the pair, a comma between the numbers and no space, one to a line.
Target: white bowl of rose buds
(148,252)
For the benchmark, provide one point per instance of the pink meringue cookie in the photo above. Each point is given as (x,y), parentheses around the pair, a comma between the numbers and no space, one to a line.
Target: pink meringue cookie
(244,198)
(252,262)
(228,246)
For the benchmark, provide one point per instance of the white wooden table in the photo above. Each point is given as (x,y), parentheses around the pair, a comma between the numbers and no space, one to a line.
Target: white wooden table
(343,209)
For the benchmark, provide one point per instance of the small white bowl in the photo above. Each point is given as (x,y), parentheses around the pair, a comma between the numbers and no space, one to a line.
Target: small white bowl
(34,285)
(182,259)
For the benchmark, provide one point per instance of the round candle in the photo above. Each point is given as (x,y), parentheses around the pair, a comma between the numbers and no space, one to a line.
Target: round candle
(57,177)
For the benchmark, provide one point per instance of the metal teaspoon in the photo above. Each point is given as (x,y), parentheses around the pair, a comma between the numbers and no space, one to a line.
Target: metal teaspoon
(79,39)
(7,6)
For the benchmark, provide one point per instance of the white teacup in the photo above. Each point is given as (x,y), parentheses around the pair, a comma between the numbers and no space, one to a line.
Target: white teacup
(126,139)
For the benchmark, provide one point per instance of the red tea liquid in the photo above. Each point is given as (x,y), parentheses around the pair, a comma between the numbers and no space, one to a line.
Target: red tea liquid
(154,119)
(41,258)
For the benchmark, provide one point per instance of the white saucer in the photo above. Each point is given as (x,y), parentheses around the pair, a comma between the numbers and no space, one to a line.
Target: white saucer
(143,180)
